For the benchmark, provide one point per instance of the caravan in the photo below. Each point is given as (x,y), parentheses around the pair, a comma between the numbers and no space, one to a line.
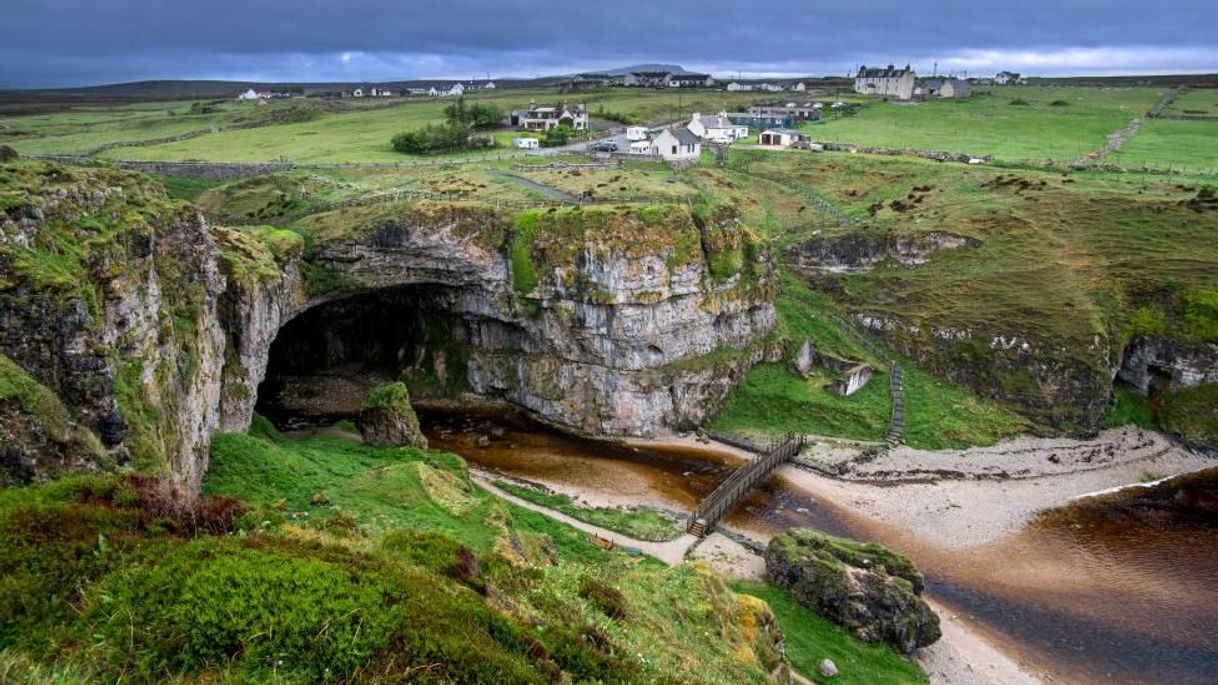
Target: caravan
(634,133)
(526,143)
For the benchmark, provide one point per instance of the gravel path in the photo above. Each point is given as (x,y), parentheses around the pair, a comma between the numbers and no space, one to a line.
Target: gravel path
(671,553)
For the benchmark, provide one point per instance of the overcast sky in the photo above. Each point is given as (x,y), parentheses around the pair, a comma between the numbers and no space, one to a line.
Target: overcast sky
(84,42)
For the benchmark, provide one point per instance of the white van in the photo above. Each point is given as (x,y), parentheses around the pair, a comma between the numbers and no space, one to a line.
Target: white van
(526,143)
(636,133)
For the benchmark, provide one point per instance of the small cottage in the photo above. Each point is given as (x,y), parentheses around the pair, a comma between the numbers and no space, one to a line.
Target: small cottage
(676,145)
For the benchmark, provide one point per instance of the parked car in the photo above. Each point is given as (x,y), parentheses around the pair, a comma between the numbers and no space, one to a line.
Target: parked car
(603,146)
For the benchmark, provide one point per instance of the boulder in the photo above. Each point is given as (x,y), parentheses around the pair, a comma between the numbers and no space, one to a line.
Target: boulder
(386,418)
(7,153)
(869,590)
(828,669)
(805,359)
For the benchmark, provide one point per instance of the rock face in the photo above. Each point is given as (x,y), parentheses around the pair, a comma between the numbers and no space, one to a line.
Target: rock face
(153,329)
(1171,365)
(619,327)
(122,325)
(862,251)
(865,588)
(387,419)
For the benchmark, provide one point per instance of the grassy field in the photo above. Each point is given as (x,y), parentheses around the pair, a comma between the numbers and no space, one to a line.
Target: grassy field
(1161,143)
(309,130)
(1010,123)
(1196,101)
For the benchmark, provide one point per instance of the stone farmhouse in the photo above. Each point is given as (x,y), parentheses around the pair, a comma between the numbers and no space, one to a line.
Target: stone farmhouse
(717,129)
(547,117)
(887,82)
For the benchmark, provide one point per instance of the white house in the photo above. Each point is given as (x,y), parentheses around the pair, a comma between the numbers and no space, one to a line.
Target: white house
(739,87)
(1008,78)
(455,90)
(357,93)
(772,87)
(799,86)
(636,133)
(250,94)
(544,118)
(718,128)
(640,147)
(676,145)
(780,137)
(526,143)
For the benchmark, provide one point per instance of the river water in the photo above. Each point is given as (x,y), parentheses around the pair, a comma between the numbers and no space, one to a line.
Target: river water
(1121,589)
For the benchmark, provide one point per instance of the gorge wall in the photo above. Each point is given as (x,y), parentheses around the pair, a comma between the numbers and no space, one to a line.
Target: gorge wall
(151,330)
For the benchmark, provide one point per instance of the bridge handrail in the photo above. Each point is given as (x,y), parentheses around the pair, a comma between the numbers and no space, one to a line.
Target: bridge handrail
(744,478)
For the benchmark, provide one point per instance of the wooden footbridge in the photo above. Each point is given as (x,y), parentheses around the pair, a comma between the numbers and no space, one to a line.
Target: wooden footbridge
(736,486)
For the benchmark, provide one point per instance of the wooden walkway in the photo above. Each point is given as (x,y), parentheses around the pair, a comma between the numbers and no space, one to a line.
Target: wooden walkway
(736,486)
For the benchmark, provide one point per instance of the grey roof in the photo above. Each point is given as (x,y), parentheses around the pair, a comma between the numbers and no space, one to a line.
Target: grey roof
(889,72)
(685,136)
(715,121)
(932,83)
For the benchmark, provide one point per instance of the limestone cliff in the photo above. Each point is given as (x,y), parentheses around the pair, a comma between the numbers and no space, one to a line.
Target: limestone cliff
(154,330)
(108,299)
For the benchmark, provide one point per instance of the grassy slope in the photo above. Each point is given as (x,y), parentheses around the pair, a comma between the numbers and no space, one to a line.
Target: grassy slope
(990,125)
(811,639)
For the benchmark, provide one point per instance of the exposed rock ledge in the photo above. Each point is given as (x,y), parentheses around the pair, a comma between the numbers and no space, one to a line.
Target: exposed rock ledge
(860,251)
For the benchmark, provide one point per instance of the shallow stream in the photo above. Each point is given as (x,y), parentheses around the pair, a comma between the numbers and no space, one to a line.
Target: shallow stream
(1120,589)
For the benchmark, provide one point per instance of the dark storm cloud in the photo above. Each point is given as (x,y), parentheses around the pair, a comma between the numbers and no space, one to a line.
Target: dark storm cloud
(57,42)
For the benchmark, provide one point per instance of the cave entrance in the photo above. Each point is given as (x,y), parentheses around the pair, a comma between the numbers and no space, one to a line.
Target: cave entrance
(1158,385)
(323,362)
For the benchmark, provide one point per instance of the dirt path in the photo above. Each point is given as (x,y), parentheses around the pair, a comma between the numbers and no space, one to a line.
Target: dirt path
(671,553)
(549,191)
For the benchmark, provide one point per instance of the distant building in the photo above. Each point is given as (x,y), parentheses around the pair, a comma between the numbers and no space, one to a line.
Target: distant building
(592,80)
(718,128)
(676,145)
(943,88)
(887,82)
(1008,78)
(546,117)
(737,87)
(762,120)
(648,79)
(808,111)
(379,92)
(526,143)
(250,94)
(771,87)
(799,86)
(691,81)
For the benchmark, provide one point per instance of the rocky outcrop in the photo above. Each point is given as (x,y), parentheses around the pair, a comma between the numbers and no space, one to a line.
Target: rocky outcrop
(154,329)
(860,251)
(865,588)
(386,418)
(108,299)
(619,327)
(1062,386)
(1150,361)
